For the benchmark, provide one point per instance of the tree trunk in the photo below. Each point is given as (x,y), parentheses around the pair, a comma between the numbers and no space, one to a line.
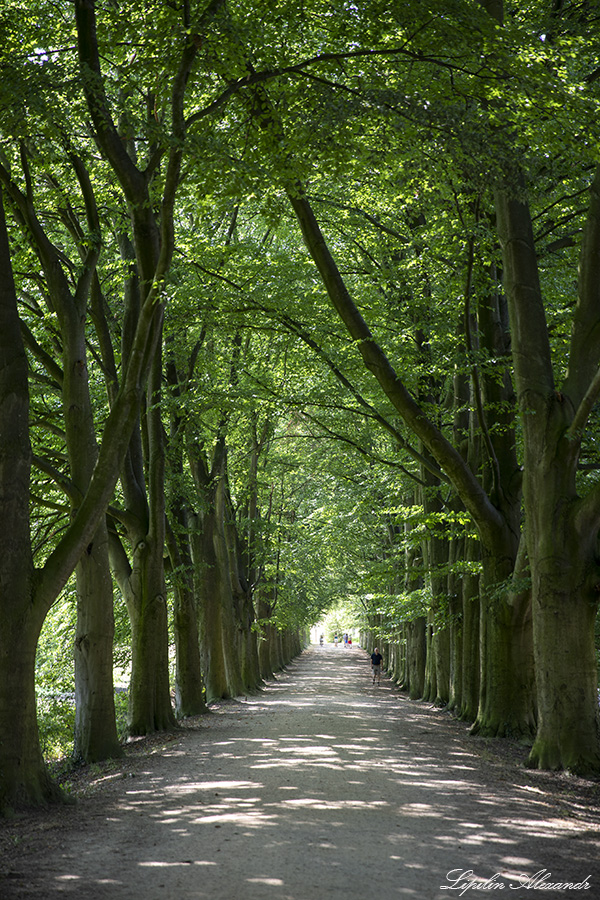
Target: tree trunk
(497,517)
(455,628)
(189,684)
(507,689)
(229,621)
(95,725)
(208,594)
(145,594)
(24,780)
(562,528)
(568,731)
(94,692)
(277,659)
(430,686)
(416,654)
(23,776)
(470,665)
(561,543)
(242,604)
(264,612)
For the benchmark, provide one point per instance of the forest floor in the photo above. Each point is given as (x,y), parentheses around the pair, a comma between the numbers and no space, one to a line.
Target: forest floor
(322,785)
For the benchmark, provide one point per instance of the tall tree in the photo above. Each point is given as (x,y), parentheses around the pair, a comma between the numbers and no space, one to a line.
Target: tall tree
(142,579)
(95,725)
(562,520)
(23,776)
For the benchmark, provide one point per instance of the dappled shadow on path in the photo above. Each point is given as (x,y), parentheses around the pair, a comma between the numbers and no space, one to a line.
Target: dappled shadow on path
(323,785)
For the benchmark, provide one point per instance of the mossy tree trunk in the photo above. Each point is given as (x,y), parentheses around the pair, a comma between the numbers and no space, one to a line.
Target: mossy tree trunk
(561,524)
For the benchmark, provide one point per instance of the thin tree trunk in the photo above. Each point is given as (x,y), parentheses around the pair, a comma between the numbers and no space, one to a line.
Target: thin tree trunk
(470,664)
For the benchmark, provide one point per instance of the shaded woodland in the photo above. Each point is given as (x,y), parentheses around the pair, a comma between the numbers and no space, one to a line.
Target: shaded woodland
(299,306)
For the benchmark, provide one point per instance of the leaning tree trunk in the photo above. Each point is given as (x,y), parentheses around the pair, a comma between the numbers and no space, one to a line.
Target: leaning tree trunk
(95,735)
(505,708)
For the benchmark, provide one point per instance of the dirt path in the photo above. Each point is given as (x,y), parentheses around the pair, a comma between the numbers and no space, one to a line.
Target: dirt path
(322,786)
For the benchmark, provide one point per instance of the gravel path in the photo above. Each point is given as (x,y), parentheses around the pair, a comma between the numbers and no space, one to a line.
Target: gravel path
(320,787)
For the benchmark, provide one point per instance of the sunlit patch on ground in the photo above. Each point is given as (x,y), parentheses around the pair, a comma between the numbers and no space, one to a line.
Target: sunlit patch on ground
(319,787)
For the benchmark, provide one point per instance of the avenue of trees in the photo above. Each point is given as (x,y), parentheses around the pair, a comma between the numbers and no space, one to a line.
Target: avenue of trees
(300,304)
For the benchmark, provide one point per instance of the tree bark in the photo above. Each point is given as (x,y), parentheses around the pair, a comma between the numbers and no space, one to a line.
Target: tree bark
(470,666)
(32,594)
(561,527)
(23,776)
(95,736)
(416,653)
(189,683)
(209,607)
(95,726)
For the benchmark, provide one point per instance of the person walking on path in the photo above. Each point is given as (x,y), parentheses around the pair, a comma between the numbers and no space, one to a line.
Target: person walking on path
(376,660)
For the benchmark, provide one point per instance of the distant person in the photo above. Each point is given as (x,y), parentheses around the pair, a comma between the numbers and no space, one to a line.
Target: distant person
(321,640)
(345,641)
(335,640)
(376,660)
(349,640)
